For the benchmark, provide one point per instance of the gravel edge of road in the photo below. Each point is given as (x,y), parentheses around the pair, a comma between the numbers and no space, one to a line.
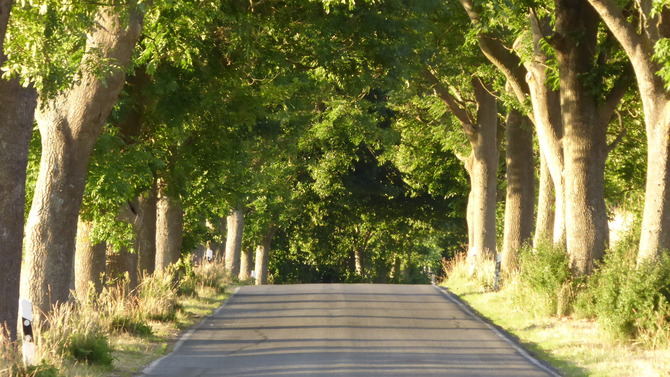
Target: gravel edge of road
(512,340)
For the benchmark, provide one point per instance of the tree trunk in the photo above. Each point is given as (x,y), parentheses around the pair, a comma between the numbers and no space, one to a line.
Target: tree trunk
(124,262)
(544,225)
(246,264)
(235,227)
(169,227)
(17,109)
(639,46)
(481,165)
(145,233)
(520,200)
(548,125)
(359,254)
(263,257)
(120,264)
(90,260)
(484,171)
(585,122)
(69,125)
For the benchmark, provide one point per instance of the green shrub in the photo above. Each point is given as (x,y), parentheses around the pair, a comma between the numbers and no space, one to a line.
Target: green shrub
(545,286)
(130,324)
(91,348)
(631,301)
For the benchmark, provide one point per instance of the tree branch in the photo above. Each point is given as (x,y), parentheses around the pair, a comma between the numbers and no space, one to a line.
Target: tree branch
(616,94)
(622,133)
(501,56)
(455,107)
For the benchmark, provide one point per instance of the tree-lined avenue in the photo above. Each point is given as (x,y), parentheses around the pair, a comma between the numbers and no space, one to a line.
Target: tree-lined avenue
(342,330)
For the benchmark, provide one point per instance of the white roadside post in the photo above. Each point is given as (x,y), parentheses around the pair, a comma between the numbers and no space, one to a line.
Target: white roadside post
(496,284)
(26,312)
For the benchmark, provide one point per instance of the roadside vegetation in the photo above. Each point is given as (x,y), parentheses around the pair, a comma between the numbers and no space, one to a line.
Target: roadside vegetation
(121,330)
(611,323)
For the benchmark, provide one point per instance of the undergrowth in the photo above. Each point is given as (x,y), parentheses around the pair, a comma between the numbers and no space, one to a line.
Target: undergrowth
(79,332)
(630,300)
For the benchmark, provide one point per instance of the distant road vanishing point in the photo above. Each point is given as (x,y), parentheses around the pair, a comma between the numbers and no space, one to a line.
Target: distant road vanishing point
(344,330)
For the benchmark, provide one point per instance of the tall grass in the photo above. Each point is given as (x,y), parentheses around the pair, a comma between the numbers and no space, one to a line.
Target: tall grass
(79,332)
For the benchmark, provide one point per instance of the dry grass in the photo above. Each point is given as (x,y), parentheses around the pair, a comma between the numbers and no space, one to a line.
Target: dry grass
(155,304)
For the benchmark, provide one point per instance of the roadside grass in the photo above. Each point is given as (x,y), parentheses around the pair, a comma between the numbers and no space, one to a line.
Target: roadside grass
(575,346)
(128,329)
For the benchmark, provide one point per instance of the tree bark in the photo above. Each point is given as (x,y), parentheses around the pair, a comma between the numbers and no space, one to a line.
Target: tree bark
(17,109)
(585,121)
(263,256)
(121,263)
(235,227)
(544,225)
(548,122)
(484,171)
(69,124)
(639,46)
(546,115)
(169,226)
(90,260)
(482,164)
(520,200)
(246,264)
(124,261)
(145,232)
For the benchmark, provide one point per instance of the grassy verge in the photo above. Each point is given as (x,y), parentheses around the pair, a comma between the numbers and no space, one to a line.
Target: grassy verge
(575,346)
(120,331)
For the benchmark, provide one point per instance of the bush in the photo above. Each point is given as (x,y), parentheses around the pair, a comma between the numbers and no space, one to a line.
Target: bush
(91,348)
(631,301)
(545,284)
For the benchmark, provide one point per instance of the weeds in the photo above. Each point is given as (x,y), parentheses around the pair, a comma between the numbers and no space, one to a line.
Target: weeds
(78,333)
(631,301)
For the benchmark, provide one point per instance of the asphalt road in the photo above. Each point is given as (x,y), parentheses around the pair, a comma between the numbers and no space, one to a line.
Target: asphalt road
(343,330)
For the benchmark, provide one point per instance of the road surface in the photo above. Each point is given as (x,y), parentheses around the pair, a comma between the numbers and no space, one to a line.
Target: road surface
(343,330)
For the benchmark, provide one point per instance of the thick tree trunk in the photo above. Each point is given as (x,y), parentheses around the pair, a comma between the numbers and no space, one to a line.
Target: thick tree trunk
(520,200)
(17,109)
(122,264)
(484,172)
(145,232)
(235,227)
(263,257)
(481,165)
(90,260)
(246,263)
(655,233)
(585,143)
(169,226)
(544,225)
(69,125)
(639,46)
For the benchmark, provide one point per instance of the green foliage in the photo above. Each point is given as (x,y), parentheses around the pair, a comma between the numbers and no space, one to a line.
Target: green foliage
(90,348)
(130,324)
(544,280)
(630,300)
